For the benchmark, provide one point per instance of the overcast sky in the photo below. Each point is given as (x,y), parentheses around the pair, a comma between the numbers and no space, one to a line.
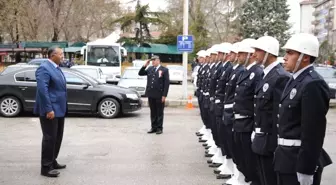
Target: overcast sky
(293,5)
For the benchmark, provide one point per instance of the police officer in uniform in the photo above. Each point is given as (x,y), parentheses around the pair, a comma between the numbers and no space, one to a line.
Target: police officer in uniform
(226,170)
(203,94)
(266,100)
(299,157)
(243,112)
(156,91)
(201,55)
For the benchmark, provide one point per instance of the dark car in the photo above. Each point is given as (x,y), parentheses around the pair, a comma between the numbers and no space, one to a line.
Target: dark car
(85,94)
(329,75)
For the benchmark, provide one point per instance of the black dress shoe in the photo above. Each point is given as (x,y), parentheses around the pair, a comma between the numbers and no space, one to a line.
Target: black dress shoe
(216,171)
(202,141)
(207,147)
(209,161)
(215,165)
(59,166)
(206,151)
(159,132)
(223,176)
(209,155)
(204,144)
(50,173)
(151,131)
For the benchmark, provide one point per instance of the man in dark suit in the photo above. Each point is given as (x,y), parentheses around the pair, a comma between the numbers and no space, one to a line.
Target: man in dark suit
(51,106)
(299,157)
(267,98)
(156,91)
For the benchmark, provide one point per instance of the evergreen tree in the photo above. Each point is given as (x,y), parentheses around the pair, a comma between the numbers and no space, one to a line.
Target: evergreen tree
(265,17)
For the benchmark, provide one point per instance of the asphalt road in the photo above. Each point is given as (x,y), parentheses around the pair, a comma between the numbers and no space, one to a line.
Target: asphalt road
(104,152)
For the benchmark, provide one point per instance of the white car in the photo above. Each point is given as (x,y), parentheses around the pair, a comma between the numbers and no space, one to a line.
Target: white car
(131,79)
(176,73)
(92,71)
(140,63)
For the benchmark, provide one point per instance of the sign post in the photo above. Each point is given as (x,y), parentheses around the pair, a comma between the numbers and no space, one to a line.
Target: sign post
(185,44)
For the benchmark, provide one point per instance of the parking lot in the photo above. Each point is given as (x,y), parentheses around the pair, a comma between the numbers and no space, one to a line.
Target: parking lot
(101,151)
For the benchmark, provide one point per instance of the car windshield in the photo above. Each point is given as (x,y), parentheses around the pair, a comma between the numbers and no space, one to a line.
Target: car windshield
(326,72)
(132,74)
(91,72)
(103,55)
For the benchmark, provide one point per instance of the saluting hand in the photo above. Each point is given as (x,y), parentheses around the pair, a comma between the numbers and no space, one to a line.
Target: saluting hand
(147,63)
(51,115)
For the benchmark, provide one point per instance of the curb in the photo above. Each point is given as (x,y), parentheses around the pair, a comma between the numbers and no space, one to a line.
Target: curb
(179,103)
(172,103)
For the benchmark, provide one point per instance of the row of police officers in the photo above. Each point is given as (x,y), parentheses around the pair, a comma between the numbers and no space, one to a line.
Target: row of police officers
(264,123)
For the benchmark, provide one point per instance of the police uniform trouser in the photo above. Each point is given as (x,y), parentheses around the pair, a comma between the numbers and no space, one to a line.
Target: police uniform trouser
(267,175)
(213,122)
(226,133)
(200,104)
(220,134)
(291,179)
(246,159)
(206,116)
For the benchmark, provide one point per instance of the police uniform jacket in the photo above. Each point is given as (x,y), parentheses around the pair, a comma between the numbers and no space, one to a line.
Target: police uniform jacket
(206,85)
(222,78)
(267,98)
(157,81)
(229,94)
(214,83)
(198,80)
(244,97)
(302,118)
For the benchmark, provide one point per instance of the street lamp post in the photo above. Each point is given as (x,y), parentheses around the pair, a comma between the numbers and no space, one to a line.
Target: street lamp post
(185,54)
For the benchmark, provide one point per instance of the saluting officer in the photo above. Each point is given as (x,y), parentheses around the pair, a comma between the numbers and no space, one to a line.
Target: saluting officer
(156,91)
(243,112)
(299,157)
(201,55)
(226,170)
(267,98)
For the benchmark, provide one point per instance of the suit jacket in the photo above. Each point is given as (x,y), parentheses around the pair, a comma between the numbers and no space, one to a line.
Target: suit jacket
(267,98)
(302,116)
(51,94)
(157,81)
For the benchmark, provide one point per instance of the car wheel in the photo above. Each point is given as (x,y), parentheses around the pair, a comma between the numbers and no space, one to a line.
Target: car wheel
(10,106)
(108,108)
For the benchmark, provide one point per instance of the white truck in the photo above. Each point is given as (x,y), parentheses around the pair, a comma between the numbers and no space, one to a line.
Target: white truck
(107,55)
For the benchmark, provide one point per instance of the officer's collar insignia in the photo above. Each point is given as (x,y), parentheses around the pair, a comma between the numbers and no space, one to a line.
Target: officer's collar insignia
(251,76)
(292,93)
(233,76)
(265,87)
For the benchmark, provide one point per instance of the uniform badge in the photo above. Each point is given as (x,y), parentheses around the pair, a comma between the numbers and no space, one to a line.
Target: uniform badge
(233,76)
(160,73)
(251,76)
(265,87)
(292,94)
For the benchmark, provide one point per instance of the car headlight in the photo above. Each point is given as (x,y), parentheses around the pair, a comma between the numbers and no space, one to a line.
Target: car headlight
(132,96)
(332,85)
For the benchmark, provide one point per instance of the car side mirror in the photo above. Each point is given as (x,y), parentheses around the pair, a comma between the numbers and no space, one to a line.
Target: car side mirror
(118,76)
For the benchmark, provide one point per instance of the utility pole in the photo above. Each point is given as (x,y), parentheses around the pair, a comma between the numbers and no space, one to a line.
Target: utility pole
(185,54)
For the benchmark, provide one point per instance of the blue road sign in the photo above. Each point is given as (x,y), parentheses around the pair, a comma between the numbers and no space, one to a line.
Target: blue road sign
(185,43)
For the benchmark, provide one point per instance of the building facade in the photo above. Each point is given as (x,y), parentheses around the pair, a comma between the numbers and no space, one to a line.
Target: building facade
(324,22)
(307,9)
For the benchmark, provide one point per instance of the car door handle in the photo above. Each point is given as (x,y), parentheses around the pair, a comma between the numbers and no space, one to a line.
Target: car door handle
(23,88)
